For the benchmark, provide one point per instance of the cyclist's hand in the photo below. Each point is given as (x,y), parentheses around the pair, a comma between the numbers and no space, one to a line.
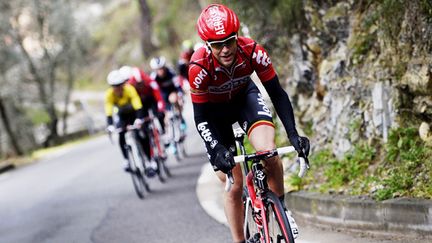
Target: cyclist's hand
(301,145)
(110,128)
(224,160)
(138,122)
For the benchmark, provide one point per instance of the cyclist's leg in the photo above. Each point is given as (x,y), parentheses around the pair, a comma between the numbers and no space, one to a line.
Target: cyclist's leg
(233,203)
(126,116)
(145,143)
(122,144)
(262,138)
(168,107)
(161,118)
(145,140)
(257,122)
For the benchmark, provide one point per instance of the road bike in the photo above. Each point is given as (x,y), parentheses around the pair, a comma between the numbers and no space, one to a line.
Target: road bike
(265,218)
(176,133)
(153,131)
(135,157)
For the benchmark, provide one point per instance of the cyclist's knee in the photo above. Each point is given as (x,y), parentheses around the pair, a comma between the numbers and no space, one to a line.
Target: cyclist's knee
(172,98)
(264,145)
(262,138)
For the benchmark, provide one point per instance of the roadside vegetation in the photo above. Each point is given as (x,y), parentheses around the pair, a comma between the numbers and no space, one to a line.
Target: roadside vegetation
(401,168)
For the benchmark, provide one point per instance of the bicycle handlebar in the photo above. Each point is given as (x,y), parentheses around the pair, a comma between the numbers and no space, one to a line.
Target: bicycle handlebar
(303,160)
(120,129)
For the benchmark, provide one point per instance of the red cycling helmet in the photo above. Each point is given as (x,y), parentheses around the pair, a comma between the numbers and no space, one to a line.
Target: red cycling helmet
(217,22)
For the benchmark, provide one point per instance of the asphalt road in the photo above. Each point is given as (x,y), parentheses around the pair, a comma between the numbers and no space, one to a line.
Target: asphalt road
(81,194)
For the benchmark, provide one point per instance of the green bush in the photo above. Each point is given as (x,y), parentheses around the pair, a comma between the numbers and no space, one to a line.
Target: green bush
(408,166)
(37,116)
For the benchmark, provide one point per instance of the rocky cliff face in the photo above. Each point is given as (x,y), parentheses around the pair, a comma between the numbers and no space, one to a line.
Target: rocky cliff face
(367,69)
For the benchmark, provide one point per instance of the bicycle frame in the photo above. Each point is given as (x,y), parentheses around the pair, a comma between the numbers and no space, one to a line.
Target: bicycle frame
(154,129)
(256,184)
(259,194)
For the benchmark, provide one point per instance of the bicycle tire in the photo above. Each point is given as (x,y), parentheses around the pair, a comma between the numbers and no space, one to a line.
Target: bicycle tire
(140,154)
(138,180)
(179,154)
(165,168)
(160,171)
(278,223)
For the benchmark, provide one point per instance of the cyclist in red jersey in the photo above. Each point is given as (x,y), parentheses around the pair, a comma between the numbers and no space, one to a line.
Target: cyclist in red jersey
(223,93)
(184,58)
(148,90)
(151,98)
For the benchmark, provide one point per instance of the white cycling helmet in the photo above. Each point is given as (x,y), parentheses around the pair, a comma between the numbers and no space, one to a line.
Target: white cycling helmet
(157,62)
(126,72)
(115,78)
(136,74)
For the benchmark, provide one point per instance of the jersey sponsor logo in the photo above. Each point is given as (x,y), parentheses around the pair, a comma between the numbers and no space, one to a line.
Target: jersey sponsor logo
(216,20)
(205,132)
(229,85)
(265,110)
(199,78)
(213,143)
(261,58)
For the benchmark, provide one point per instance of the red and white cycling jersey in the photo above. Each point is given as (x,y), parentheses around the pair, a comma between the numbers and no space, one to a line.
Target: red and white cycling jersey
(147,88)
(211,82)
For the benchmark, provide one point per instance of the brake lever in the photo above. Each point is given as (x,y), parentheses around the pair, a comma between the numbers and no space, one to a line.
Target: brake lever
(229,181)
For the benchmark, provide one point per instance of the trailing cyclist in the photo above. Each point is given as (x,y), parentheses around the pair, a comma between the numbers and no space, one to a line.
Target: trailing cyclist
(223,93)
(151,99)
(125,98)
(148,90)
(170,88)
(184,58)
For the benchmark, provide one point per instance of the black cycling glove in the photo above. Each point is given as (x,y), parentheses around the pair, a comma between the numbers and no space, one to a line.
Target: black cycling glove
(301,145)
(223,160)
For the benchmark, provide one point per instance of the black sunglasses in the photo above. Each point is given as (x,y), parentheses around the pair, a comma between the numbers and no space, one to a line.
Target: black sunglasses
(219,44)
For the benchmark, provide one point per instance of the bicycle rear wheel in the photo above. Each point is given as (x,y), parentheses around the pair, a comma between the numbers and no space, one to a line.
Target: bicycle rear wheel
(138,180)
(278,224)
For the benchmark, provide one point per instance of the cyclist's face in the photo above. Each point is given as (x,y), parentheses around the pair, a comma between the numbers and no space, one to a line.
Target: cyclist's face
(118,89)
(224,50)
(161,72)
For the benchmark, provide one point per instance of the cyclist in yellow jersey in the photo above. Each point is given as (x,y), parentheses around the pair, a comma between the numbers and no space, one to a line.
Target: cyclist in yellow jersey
(130,109)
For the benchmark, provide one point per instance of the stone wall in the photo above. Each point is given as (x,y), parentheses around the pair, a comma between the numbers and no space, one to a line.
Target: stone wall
(347,96)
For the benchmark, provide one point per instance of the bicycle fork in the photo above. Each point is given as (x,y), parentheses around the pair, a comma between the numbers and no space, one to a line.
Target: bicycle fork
(257,177)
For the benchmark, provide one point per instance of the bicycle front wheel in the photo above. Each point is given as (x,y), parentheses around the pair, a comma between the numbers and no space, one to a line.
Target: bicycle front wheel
(164,167)
(278,225)
(138,180)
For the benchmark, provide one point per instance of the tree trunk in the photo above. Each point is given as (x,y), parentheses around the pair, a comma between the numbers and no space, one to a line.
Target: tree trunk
(70,80)
(4,117)
(146,29)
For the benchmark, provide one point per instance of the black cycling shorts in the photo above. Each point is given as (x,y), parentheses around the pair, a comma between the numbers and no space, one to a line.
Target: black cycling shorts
(248,109)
